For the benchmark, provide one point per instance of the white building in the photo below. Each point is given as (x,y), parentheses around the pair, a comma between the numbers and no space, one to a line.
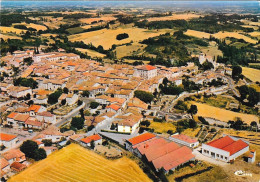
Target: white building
(16,91)
(225,149)
(8,140)
(146,71)
(47,117)
(72,98)
(86,142)
(184,140)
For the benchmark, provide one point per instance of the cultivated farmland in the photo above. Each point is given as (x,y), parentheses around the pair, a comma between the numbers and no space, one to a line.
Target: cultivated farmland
(75,163)
(5,37)
(251,74)
(205,110)
(11,30)
(185,16)
(220,35)
(107,37)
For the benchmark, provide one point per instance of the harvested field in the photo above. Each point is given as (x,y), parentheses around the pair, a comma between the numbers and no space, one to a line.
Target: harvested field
(107,37)
(11,30)
(254,34)
(250,26)
(128,50)
(186,16)
(91,53)
(32,25)
(75,163)
(220,35)
(205,110)
(90,20)
(5,37)
(251,74)
(198,34)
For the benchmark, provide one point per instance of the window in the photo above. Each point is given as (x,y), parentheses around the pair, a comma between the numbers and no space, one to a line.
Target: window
(221,156)
(217,155)
(225,158)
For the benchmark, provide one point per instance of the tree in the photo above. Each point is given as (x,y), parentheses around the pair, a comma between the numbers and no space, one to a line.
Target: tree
(254,124)
(77,122)
(92,144)
(85,93)
(207,65)
(63,102)
(40,154)
(122,36)
(81,111)
(236,72)
(65,90)
(146,97)
(94,105)
(47,142)
(146,123)
(53,98)
(28,148)
(28,61)
(193,110)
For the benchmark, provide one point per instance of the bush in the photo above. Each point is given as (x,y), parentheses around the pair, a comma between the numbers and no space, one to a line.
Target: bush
(77,122)
(53,98)
(94,105)
(47,142)
(122,36)
(146,97)
(146,123)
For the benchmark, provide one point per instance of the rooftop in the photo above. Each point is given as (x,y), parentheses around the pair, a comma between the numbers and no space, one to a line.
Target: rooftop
(141,138)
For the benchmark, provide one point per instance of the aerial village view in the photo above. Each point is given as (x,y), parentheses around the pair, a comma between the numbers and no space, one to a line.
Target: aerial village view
(130,91)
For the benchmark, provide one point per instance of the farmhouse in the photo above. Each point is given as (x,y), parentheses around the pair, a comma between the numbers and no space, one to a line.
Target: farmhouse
(161,153)
(86,142)
(184,140)
(16,91)
(130,144)
(47,117)
(226,148)
(14,155)
(146,71)
(8,140)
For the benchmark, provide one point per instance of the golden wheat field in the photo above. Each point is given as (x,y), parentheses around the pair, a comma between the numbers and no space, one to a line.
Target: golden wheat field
(198,34)
(75,163)
(107,37)
(103,18)
(251,74)
(205,110)
(5,37)
(220,35)
(185,16)
(223,35)
(91,53)
(11,30)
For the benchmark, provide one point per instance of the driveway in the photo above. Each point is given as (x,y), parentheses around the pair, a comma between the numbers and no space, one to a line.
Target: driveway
(201,157)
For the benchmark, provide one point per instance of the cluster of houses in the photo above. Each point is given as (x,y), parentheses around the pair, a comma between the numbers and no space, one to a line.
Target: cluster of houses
(32,117)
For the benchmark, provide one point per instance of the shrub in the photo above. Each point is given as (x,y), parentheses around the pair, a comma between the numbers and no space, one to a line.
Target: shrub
(94,105)
(122,36)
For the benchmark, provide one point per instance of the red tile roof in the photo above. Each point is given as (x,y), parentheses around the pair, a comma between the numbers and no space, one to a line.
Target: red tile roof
(90,138)
(114,107)
(161,151)
(3,163)
(34,108)
(141,138)
(173,159)
(184,138)
(12,115)
(146,67)
(33,122)
(228,144)
(17,166)
(7,137)
(13,153)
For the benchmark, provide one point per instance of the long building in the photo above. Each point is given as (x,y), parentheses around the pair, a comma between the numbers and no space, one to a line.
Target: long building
(226,148)
(159,152)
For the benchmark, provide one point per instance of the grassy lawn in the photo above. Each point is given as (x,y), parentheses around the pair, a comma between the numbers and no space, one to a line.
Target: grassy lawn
(75,163)
(75,30)
(162,127)
(191,132)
